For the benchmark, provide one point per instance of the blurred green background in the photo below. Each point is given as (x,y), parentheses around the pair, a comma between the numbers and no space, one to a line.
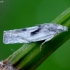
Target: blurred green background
(16,14)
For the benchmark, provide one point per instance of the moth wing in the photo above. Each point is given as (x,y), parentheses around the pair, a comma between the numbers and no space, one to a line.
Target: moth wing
(7,39)
(18,35)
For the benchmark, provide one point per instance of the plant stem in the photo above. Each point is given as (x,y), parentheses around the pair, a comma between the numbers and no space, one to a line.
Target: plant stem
(29,56)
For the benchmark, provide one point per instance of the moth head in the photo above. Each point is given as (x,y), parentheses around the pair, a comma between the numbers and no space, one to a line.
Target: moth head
(62,28)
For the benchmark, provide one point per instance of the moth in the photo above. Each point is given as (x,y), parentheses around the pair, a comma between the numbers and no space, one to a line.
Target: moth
(45,32)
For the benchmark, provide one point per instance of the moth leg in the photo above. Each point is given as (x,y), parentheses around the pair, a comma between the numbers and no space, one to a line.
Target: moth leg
(47,39)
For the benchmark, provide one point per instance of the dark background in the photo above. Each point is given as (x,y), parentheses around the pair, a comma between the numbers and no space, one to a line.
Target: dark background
(16,14)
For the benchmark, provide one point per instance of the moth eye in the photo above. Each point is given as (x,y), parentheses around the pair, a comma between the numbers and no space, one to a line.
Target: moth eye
(52,29)
(24,29)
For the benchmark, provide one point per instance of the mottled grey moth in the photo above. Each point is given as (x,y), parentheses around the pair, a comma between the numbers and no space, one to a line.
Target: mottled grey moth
(44,32)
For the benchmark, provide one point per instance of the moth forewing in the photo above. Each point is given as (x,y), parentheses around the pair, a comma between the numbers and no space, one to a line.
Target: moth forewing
(33,34)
